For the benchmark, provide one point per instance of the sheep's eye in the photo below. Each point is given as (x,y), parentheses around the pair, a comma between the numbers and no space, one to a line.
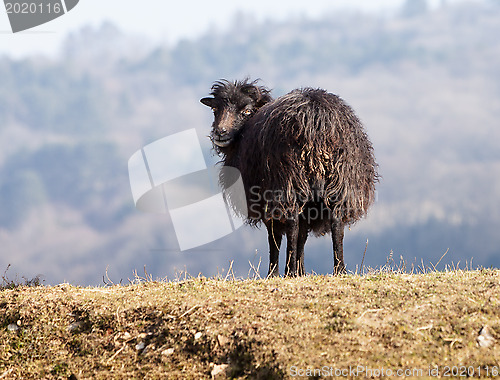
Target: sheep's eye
(246,112)
(214,109)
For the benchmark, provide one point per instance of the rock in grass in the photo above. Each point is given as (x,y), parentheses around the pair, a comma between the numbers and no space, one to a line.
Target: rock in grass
(168,352)
(218,370)
(485,339)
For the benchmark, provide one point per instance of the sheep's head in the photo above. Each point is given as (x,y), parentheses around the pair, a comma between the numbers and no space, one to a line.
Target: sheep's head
(233,105)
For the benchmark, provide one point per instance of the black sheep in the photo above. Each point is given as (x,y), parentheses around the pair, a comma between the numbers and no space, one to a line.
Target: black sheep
(305,161)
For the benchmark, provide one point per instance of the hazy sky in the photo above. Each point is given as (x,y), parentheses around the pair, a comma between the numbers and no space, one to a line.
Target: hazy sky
(164,20)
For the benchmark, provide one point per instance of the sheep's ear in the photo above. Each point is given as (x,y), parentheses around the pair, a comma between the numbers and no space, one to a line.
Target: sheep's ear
(209,102)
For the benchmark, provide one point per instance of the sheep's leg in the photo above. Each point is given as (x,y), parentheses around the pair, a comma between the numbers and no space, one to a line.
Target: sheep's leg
(274,236)
(338,247)
(301,242)
(292,234)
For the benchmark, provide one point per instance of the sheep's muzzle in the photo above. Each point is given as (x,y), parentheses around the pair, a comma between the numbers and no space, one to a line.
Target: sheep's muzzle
(221,140)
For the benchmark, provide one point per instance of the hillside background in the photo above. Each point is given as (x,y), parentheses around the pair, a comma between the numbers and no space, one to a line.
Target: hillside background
(425,82)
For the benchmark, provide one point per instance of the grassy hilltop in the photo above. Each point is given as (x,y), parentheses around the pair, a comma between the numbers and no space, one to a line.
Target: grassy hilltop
(277,328)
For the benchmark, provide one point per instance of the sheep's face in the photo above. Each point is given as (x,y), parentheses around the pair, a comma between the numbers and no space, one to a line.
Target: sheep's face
(233,105)
(229,118)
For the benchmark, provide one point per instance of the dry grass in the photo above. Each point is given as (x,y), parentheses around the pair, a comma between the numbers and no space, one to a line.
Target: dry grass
(260,328)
